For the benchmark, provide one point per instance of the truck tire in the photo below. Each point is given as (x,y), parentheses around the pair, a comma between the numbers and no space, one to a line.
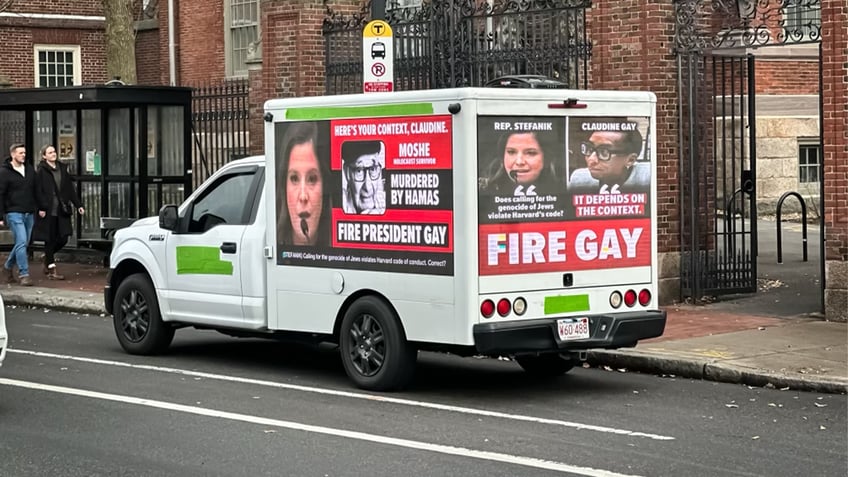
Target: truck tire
(545,365)
(374,350)
(138,323)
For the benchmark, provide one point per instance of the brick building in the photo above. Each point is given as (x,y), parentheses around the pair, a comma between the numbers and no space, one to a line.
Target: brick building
(44,46)
(279,48)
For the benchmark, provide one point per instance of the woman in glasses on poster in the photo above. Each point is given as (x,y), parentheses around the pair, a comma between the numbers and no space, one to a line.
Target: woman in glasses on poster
(610,159)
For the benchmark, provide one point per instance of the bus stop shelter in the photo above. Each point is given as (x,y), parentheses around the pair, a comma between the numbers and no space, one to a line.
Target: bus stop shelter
(127,148)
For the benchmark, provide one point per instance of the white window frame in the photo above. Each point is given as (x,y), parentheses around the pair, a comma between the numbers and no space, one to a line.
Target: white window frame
(804,144)
(76,50)
(229,68)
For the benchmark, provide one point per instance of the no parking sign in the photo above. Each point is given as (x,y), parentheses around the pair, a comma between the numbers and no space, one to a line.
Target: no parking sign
(377,57)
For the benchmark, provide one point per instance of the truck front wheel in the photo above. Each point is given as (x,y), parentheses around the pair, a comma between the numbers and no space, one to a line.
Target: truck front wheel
(137,321)
(374,349)
(547,364)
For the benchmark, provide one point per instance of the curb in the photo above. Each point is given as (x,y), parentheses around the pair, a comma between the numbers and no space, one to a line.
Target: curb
(714,371)
(92,305)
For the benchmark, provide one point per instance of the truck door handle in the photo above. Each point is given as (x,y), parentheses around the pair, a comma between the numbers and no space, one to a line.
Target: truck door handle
(228,247)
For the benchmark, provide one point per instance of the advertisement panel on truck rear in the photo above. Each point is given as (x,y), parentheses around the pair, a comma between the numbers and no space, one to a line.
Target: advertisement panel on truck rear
(559,193)
(372,194)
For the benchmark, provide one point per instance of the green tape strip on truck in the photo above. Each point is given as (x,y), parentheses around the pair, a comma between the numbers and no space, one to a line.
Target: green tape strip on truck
(200,260)
(337,112)
(566,304)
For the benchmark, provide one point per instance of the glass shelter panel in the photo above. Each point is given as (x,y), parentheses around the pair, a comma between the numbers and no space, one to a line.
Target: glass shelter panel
(90,192)
(42,133)
(119,200)
(66,145)
(12,129)
(92,143)
(163,194)
(154,168)
(119,146)
(171,147)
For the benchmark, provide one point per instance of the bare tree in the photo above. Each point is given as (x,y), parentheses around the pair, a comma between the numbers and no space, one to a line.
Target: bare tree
(120,40)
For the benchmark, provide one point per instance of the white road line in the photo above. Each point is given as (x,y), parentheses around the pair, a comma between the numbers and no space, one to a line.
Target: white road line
(418,445)
(347,394)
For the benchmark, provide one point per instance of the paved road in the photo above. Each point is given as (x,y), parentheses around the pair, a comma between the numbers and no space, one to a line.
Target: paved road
(72,403)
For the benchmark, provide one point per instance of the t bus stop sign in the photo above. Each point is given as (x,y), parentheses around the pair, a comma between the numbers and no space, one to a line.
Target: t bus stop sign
(377,56)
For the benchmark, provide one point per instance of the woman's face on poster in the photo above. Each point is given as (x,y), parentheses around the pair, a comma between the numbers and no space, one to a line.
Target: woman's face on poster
(304,193)
(523,158)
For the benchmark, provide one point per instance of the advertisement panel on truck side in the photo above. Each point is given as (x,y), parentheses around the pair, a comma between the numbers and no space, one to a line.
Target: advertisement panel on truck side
(563,193)
(378,196)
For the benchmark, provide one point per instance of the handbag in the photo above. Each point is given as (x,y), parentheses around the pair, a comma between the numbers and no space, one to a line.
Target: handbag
(65,207)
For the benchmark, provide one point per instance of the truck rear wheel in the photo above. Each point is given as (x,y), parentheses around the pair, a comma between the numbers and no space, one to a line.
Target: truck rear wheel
(137,321)
(374,349)
(547,364)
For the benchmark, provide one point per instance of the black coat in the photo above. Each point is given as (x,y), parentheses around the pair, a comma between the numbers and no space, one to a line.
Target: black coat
(46,194)
(17,193)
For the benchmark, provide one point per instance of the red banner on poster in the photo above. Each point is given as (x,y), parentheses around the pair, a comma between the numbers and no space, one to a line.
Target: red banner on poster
(417,142)
(409,231)
(556,246)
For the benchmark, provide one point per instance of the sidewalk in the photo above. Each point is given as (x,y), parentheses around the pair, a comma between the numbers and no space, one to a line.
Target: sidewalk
(702,342)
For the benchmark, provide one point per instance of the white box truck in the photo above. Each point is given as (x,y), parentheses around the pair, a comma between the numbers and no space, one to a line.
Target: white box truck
(478,221)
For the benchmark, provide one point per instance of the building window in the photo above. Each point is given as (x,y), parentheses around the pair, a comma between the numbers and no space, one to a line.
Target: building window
(802,21)
(242,30)
(57,65)
(809,163)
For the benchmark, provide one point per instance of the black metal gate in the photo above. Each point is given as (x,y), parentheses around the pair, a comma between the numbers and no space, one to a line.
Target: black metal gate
(718,227)
(448,43)
(718,137)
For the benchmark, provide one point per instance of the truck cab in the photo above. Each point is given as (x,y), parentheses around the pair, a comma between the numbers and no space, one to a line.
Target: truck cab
(201,263)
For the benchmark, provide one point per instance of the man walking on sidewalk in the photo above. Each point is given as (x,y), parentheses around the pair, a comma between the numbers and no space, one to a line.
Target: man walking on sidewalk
(17,205)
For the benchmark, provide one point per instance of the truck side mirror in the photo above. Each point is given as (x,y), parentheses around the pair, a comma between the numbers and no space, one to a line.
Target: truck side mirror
(168,217)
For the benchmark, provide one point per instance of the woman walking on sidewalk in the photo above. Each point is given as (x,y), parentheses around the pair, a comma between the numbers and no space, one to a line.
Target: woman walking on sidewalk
(56,195)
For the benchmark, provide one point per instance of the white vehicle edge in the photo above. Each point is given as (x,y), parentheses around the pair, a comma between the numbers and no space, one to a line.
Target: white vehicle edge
(4,334)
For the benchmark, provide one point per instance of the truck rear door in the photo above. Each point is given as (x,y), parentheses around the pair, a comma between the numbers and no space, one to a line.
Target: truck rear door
(566,212)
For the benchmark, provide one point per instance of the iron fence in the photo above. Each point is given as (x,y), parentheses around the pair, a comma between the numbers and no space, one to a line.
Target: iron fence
(219,126)
(450,43)
(718,136)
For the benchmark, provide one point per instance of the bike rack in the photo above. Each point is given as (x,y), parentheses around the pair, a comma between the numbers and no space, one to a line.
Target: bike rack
(803,225)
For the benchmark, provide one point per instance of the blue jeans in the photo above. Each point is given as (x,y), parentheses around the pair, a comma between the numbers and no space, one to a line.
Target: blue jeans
(20,224)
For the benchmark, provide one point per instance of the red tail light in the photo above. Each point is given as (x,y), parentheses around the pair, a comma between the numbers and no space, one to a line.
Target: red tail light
(630,298)
(644,297)
(504,307)
(487,308)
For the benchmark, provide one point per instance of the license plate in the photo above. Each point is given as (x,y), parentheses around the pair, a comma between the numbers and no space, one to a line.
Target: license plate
(573,329)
